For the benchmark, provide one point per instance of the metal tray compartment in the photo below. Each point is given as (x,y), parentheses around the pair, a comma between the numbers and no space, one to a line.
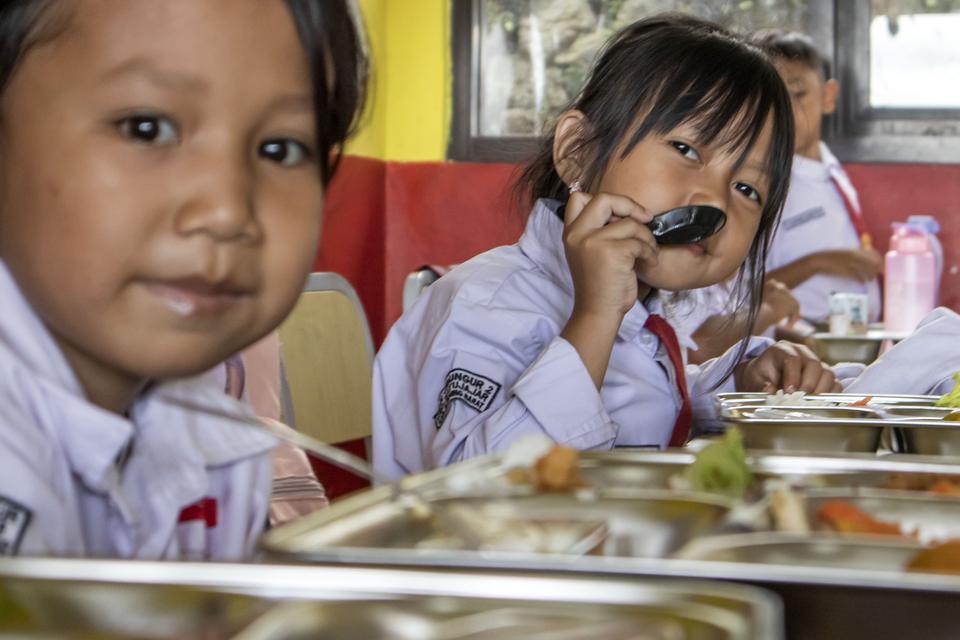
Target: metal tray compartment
(850,429)
(837,399)
(833,551)
(438,618)
(931,439)
(635,523)
(43,598)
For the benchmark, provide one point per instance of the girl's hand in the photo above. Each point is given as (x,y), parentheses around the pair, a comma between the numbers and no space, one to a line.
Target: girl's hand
(788,366)
(778,304)
(604,236)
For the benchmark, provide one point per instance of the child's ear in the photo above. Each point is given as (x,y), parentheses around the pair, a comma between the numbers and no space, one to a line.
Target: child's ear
(567,140)
(831,89)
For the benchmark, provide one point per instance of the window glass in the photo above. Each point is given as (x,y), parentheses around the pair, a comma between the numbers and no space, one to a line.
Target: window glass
(915,54)
(535,54)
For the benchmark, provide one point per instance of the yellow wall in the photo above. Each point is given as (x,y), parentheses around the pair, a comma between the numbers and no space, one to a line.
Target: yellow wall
(408,117)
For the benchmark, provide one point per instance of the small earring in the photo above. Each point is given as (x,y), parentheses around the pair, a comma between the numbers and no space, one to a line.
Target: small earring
(575,186)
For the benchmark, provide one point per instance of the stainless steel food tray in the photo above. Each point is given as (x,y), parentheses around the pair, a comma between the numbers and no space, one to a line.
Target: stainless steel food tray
(116,599)
(639,523)
(860,604)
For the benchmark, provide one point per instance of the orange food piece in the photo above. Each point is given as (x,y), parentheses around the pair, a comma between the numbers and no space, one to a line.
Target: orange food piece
(862,402)
(844,517)
(945,487)
(941,558)
(558,470)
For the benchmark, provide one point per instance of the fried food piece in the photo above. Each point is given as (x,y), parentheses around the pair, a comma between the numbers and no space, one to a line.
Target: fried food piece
(862,402)
(941,558)
(844,517)
(946,487)
(558,470)
(953,416)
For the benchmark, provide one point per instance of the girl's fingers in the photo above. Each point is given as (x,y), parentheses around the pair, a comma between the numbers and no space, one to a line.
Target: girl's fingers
(791,373)
(627,228)
(585,212)
(633,250)
(812,375)
(828,382)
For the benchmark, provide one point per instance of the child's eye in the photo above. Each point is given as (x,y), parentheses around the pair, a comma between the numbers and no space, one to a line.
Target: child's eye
(288,153)
(747,191)
(155,130)
(799,95)
(685,150)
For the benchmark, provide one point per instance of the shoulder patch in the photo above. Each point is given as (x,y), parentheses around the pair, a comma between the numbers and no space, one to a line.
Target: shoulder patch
(14,519)
(473,389)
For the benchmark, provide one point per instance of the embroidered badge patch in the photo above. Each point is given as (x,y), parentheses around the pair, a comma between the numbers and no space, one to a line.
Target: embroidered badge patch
(473,389)
(14,519)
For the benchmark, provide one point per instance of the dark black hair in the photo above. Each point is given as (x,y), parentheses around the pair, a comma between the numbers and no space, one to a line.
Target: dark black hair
(792,45)
(667,70)
(328,32)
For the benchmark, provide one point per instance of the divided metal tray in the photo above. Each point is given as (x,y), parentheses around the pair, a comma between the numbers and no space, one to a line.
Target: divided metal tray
(44,598)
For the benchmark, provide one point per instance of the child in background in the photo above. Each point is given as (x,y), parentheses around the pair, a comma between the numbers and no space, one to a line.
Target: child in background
(562,334)
(822,245)
(162,172)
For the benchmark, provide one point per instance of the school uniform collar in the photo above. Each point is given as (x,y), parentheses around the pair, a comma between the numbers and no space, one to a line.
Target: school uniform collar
(542,242)
(94,440)
(820,170)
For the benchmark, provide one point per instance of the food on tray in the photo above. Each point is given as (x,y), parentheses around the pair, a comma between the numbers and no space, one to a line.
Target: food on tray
(499,527)
(932,482)
(795,399)
(953,416)
(788,511)
(951,399)
(941,558)
(862,402)
(844,517)
(721,467)
(558,470)
(554,469)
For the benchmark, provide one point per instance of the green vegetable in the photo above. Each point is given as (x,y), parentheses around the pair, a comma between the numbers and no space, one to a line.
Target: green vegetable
(952,399)
(721,467)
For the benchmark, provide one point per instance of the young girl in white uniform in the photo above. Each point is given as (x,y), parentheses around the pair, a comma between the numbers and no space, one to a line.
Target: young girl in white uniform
(161,185)
(562,334)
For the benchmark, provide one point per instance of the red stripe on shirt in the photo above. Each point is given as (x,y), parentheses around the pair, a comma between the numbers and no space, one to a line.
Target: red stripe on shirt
(205,509)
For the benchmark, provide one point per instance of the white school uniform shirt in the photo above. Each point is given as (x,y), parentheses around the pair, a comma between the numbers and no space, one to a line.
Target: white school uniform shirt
(815,219)
(185,477)
(478,362)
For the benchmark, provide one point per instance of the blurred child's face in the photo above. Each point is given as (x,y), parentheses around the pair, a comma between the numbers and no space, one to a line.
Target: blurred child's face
(666,171)
(812,98)
(159,201)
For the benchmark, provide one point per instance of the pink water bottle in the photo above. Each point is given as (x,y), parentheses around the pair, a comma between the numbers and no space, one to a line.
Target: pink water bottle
(910,283)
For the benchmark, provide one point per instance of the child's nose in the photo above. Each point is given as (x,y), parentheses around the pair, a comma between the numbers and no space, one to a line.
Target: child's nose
(223,204)
(710,190)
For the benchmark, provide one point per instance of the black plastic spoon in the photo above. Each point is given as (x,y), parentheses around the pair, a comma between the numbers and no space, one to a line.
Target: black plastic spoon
(686,225)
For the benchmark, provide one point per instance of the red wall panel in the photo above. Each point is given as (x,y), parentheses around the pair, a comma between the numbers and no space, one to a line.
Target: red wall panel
(889,193)
(386,219)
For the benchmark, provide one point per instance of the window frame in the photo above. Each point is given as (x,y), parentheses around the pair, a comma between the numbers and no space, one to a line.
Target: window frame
(856,132)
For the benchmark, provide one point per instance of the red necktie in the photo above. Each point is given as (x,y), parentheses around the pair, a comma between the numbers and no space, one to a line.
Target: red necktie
(668,338)
(856,216)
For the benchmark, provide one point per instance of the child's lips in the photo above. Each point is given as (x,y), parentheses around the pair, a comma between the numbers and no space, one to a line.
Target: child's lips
(188,297)
(697,248)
